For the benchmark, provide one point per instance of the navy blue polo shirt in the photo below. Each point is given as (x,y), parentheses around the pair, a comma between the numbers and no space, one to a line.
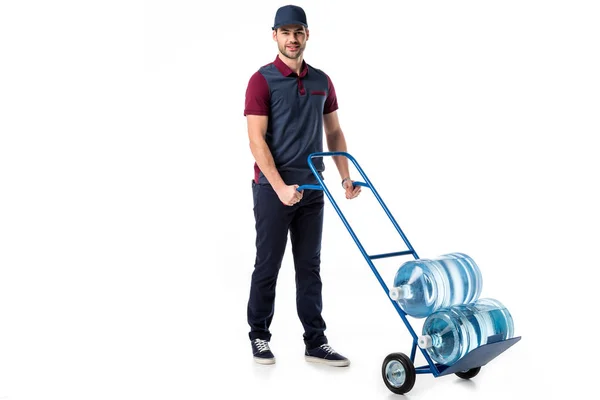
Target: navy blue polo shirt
(295,105)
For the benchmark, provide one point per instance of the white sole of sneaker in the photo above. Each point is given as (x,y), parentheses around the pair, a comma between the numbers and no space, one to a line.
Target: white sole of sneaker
(333,363)
(264,361)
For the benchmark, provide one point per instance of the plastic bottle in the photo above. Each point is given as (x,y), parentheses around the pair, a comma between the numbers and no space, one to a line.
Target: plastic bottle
(450,333)
(423,286)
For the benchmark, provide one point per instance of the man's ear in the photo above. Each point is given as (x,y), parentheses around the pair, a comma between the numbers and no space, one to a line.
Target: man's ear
(307,34)
(275,34)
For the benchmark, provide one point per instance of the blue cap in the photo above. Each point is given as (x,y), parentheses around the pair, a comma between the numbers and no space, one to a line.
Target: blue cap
(290,15)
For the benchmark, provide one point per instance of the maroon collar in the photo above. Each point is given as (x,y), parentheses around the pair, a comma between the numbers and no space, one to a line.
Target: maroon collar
(287,71)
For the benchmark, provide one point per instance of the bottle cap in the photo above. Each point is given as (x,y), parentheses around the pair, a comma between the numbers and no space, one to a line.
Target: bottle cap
(425,342)
(396,293)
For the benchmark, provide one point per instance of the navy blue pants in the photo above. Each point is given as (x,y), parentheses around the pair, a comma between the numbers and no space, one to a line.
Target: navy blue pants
(304,222)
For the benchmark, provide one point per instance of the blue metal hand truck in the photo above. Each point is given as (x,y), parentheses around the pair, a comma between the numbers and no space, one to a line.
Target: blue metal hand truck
(398,370)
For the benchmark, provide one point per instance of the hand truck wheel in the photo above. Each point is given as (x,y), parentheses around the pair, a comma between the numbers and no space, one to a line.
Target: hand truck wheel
(468,374)
(398,373)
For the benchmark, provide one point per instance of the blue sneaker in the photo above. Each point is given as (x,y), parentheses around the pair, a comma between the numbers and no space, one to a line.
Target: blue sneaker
(324,354)
(262,353)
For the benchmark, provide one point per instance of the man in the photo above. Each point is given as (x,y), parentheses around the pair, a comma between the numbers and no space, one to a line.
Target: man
(288,106)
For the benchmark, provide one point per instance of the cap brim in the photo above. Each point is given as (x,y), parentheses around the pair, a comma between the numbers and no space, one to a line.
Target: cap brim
(290,23)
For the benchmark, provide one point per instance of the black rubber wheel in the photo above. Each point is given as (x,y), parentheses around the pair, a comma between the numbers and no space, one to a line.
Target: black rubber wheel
(398,373)
(468,374)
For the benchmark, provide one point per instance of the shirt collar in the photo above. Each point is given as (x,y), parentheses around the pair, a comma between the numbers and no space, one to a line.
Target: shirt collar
(287,71)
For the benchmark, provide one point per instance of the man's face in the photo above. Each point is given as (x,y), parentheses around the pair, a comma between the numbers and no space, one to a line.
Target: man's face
(291,40)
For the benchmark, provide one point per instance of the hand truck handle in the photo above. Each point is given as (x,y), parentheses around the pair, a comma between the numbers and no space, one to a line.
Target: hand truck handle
(367,183)
(330,154)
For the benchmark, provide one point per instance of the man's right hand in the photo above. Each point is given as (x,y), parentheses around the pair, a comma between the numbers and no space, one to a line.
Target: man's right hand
(289,195)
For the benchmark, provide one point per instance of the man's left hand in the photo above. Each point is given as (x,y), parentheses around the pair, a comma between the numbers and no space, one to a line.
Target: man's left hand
(351,190)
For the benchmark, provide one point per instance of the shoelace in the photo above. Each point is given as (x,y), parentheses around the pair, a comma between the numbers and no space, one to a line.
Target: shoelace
(328,348)
(261,345)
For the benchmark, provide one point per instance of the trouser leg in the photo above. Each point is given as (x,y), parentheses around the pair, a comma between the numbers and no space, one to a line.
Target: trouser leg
(306,232)
(272,224)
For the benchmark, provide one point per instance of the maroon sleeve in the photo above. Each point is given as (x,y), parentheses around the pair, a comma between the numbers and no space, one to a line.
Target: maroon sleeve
(257,95)
(331,103)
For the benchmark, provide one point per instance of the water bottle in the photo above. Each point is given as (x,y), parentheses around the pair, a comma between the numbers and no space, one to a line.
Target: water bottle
(423,286)
(450,333)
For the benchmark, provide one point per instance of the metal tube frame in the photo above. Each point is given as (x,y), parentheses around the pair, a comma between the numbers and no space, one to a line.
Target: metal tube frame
(432,367)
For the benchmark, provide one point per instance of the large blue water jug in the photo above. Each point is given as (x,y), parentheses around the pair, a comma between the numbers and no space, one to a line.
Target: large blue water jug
(450,333)
(423,286)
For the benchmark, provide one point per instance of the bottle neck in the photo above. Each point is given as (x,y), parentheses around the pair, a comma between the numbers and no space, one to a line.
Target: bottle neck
(436,340)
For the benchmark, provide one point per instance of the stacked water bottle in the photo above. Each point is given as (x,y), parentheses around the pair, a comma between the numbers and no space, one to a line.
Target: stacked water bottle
(445,290)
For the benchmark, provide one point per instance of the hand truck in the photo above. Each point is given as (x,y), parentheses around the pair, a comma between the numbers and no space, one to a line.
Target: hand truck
(398,370)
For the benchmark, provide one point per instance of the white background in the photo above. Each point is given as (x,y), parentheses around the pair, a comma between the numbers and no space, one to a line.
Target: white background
(126,225)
